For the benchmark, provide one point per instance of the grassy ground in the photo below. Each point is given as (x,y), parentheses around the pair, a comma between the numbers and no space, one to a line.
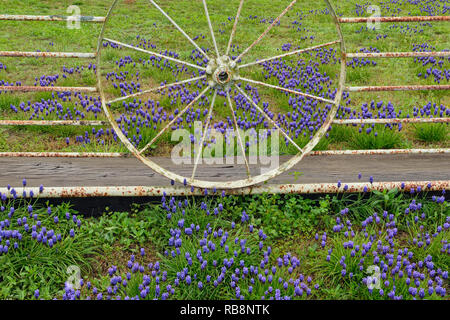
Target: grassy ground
(133,18)
(323,240)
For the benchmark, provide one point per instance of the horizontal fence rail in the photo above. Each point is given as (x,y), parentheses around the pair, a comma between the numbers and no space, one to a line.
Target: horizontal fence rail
(17,54)
(399,88)
(64,155)
(105,123)
(391,120)
(397,54)
(142,191)
(11,17)
(393,19)
(379,152)
(126,155)
(47,89)
(52,123)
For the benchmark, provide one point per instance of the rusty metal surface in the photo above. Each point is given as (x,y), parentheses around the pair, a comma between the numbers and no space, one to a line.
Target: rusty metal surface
(391,120)
(393,19)
(353,187)
(379,152)
(142,191)
(398,54)
(47,54)
(52,123)
(399,88)
(50,18)
(63,155)
(47,89)
(126,155)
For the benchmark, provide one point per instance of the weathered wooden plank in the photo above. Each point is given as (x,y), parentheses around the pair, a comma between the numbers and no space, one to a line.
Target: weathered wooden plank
(62,172)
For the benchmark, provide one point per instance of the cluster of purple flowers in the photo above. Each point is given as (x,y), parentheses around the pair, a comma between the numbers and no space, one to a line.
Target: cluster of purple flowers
(435,66)
(25,224)
(377,244)
(410,30)
(382,110)
(239,262)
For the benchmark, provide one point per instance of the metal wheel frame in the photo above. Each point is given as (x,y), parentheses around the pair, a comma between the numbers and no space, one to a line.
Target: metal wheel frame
(250,181)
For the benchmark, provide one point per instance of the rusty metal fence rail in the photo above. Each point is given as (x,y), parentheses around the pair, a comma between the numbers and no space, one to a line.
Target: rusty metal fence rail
(11,17)
(313,153)
(156,191)
(307,189)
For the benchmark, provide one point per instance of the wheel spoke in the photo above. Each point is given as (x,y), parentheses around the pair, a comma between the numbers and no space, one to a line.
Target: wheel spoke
(155,54)
(179,29)
(289,54)
(155,89)
(211,28)
(174,119)
(268,118)
(211,108)
(286,90)
(267,31)
(233,31)
(241,144)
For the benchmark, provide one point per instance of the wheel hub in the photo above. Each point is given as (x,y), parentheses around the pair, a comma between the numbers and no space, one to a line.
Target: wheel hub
(221,72)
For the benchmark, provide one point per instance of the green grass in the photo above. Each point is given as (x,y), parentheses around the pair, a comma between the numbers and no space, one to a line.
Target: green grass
(37,266)
(431,132)
(7,100)
(379,138)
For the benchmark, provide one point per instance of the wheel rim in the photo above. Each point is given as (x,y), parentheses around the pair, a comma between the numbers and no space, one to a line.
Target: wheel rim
(222,71)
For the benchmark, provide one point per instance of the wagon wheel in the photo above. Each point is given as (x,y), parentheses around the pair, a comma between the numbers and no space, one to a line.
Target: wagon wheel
(222,74)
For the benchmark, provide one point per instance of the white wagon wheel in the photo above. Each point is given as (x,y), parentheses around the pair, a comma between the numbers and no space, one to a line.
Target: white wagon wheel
(222,72)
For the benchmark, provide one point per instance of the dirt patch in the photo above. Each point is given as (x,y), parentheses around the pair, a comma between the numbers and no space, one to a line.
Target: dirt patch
(117,256)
